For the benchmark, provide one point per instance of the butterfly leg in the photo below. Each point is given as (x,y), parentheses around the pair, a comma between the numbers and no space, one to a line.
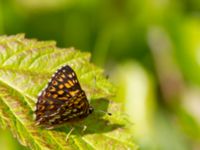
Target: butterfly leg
(67,137)
(84,128)
(49,127)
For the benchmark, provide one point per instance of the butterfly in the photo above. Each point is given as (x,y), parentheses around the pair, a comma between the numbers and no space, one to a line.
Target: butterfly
(62,101)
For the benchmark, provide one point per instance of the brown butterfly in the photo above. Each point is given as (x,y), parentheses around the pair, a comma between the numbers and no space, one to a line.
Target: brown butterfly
(62,100)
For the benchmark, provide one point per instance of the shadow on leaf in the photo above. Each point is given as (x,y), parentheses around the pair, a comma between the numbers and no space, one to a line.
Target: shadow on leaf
(95,122)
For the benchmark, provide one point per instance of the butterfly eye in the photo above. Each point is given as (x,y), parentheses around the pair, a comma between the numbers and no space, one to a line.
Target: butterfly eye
(91,109)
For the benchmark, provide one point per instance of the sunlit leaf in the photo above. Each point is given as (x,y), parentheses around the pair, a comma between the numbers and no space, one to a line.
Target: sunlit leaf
(25,68)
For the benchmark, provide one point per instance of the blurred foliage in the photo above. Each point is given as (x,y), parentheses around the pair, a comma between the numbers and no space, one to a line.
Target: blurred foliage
(150,49)
(8,142)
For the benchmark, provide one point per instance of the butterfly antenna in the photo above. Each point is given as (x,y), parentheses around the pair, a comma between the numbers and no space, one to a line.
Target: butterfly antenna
(110,114)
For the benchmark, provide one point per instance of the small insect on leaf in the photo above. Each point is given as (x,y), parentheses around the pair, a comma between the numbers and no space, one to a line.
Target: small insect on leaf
(62,100)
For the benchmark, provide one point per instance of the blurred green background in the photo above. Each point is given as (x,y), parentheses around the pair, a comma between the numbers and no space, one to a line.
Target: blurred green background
(150,49)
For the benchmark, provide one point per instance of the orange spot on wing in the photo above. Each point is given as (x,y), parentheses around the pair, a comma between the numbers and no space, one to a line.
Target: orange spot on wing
(73,92)
(51,106)
(55,95)
(60,92)
(52,89)
(62,75)
(67,85)
(76,102)
(48,94)
(61,86)
(70,104)
(70,82)
(70,75)
(54,82)
(60,79)
(41,107)
(80,105)
(63,98)
(50,102)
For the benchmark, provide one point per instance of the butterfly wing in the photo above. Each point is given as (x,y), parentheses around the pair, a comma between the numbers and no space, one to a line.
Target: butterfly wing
(62,100)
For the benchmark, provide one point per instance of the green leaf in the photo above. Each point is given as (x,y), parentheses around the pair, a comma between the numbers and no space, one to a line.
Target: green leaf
(25,68)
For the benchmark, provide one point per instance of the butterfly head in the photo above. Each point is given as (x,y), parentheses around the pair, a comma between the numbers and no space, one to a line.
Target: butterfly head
(90,110)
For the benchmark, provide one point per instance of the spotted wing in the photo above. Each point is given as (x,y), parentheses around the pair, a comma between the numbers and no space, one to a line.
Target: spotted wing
(62,99)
